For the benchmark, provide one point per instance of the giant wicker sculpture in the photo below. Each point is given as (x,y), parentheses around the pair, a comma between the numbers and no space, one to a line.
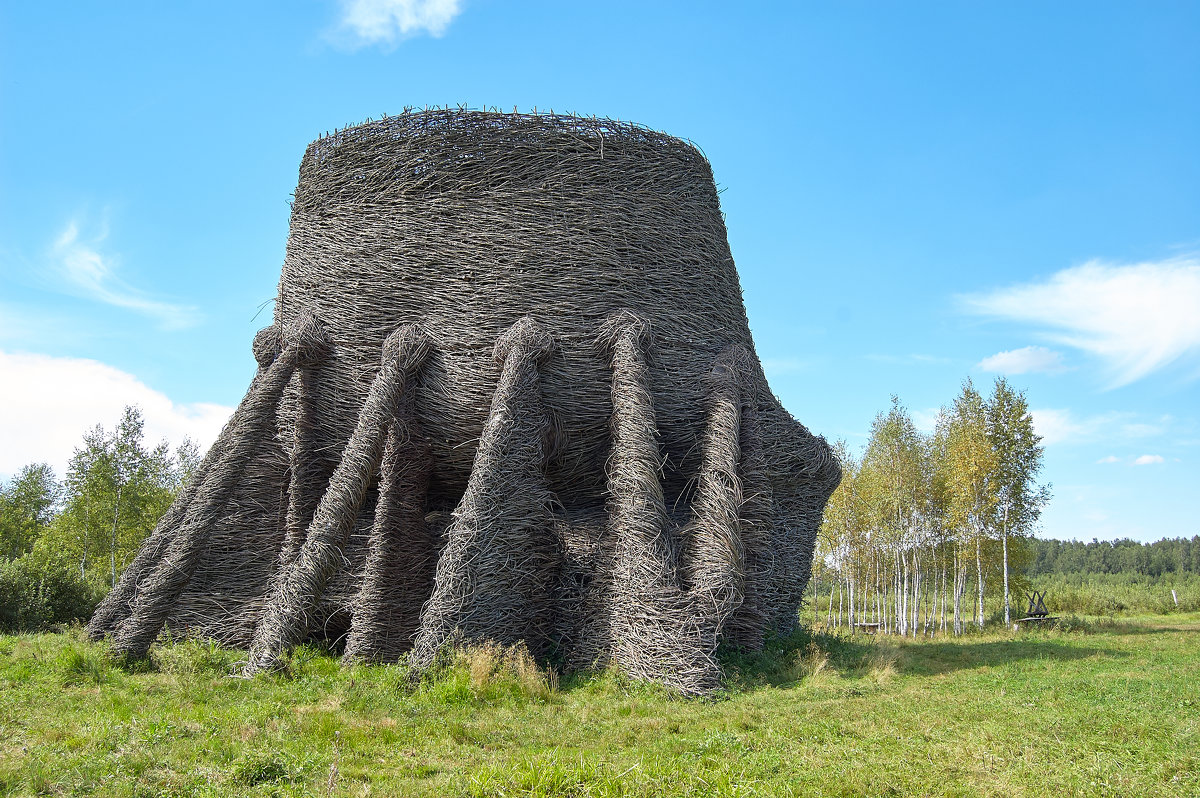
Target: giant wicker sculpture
(510,393)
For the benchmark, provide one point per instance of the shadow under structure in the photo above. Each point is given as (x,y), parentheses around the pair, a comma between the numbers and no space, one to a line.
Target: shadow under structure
(509,394)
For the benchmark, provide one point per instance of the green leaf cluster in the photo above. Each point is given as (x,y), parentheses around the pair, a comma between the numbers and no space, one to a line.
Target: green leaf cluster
(62,544)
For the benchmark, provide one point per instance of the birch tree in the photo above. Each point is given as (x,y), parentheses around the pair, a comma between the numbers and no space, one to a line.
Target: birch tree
(970,465)
(1018,459)
(115,490)
(893,462)
(27,505)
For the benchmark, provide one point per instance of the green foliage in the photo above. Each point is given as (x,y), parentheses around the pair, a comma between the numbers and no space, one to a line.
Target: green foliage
(115,491)
(487,673)
(205,658)
(971,464)
(62,545)
(1161,558)
(1019,499)
(270,768)
(84,665)
(27,505)
(36,594)
(1118,577)
(892,468)
(920,517)
(1119,594)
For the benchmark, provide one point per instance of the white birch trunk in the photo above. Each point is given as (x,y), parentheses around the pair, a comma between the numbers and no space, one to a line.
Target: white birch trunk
(979,575)
(829,619)
(1007,612)
(112,549)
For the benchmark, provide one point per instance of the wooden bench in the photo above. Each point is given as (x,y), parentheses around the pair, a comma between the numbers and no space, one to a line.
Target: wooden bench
(1032,619)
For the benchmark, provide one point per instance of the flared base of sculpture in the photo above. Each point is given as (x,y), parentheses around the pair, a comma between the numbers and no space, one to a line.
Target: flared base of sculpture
(635,583)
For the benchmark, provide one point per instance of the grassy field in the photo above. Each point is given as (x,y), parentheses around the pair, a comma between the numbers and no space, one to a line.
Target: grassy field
(1104,708)
(1120,594)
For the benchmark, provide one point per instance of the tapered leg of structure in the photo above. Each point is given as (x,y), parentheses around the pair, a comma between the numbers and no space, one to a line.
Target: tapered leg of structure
(494,576)
(117,605)
(714,559)
(645,589)
(159,590)
(799,493)
(747,627)
(297,589)
(308,475)
(713,555)
(665,619)
(797,520)
(398,575)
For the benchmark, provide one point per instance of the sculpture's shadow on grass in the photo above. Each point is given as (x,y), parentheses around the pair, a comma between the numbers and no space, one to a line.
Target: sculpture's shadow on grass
(930,659)
(1159,630)
(807,658)
(1120,626)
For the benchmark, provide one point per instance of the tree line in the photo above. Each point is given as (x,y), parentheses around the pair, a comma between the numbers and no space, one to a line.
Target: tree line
(1161,558)
(925,527)
(64,543)
(924,531)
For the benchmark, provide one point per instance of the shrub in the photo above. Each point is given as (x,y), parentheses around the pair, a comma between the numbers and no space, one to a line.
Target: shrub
(1119,594)
(35,595)
(270,767)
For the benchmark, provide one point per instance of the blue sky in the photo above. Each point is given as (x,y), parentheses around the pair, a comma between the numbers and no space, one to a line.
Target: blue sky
(915,193)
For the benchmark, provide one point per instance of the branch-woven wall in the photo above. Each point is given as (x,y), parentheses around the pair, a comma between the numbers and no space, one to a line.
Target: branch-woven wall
(509,393)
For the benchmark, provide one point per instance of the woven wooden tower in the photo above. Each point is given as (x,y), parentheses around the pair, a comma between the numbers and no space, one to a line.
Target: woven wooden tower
(509,393)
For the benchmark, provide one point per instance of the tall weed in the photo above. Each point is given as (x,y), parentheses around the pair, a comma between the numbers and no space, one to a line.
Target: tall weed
(84,664)
(487,673)
(196,658)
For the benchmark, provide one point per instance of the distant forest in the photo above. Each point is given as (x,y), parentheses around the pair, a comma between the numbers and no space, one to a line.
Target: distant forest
(1071,557)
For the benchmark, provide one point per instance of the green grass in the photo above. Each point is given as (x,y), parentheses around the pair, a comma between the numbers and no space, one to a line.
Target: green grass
(1103,708)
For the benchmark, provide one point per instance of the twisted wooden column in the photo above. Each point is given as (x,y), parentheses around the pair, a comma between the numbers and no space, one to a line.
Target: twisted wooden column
(644,589)
(747,626)
(309,474)
(494,576)
(161,588)
(401,552)
(118,604)
(666,613)
(299,586)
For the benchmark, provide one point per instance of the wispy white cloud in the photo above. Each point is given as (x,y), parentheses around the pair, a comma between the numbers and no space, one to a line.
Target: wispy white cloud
(1057,426)
(387,22)
(91,273)
(59,398)
(926,420)
(1137,319)
(1060,425)
(1149,459)
(1026,360)
(1112,458)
